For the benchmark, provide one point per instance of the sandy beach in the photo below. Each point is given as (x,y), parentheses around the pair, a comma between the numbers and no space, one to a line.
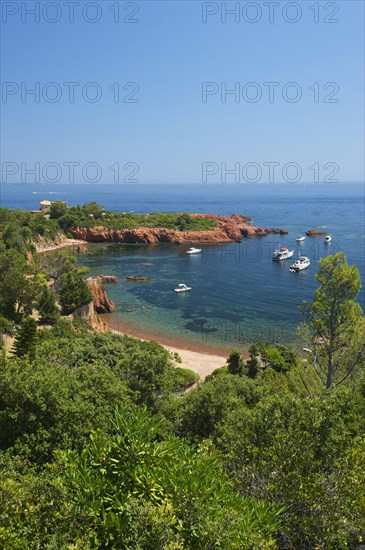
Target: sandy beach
(201,363)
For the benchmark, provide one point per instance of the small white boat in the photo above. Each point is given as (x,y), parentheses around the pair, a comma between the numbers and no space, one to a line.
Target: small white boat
(300,263)
(327,239)
(300,238)
(282,253)
(182,288)
(194,250)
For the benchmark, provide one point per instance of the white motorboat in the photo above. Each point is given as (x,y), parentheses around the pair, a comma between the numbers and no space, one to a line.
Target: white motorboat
(300,263)
(282,253)
(327,239)
(300,238)
(182,288)
(194,250)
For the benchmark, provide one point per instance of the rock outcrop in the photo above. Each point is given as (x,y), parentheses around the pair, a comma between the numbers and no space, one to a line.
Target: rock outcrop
(108,278)
(315,233)
(138,279)
(42,244)
(81,249)
(87,312)
(102,304)
(228,229)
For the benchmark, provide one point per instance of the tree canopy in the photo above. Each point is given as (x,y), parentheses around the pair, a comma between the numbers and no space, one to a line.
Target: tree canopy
(335,331)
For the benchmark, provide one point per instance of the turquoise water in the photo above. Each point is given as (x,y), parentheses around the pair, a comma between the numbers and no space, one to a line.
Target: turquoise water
(238,294)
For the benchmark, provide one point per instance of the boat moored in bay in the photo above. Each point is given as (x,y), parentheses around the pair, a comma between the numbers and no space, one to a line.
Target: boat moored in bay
(300,263)
(182,288)
(282,253)
(194,250)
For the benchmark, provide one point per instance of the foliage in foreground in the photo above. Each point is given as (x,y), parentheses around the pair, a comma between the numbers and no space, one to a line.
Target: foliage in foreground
(132,489)
(44,408)
(292,451)
(182,495)
(283,447)
(70,384)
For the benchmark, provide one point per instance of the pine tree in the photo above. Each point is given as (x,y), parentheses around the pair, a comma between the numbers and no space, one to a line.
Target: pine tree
(47,308)
(252,364)
(73,292)
(25,340)
(335,332)
(235,362)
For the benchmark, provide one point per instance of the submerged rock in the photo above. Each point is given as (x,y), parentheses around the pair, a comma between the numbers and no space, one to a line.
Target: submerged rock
(138,279)
(315,233)
(108,278)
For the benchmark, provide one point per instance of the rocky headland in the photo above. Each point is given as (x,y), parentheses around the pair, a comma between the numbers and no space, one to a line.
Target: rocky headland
(228,229)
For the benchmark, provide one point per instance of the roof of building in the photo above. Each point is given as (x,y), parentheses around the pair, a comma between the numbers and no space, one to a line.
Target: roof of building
(46,203)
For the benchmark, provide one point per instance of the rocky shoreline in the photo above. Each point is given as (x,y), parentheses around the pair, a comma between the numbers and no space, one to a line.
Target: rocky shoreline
(102,303)
(42,246)
(229,229)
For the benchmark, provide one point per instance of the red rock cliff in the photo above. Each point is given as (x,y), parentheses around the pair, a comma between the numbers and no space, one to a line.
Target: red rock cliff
(228,229)
(102,303)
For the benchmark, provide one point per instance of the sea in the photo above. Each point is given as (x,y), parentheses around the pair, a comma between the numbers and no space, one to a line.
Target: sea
(239,295)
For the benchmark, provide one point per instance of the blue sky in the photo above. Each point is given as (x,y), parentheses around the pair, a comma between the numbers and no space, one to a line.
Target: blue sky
(169,53)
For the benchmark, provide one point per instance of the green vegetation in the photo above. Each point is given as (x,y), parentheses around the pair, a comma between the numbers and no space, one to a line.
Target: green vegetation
(102,447)
(47,307)
(280,358)
(336,325)
(58,209)
(20,228)
(72,384)
(92,214)
(25,340)
(73,292)
(292,450)
(24,276)
(184,379)
(235,362)
(252,364)
(134,490)
(17,290)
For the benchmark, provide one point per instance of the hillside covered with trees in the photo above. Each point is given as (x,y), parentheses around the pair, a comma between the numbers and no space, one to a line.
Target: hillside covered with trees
(60,217)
